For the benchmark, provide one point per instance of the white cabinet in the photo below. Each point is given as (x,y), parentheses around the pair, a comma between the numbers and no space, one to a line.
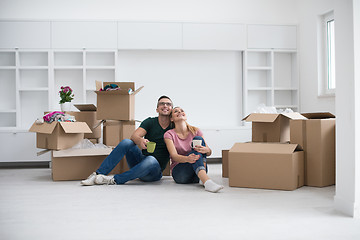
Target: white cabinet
(30,34)
(25,76)
(198,36)
(149,35)
(32,80)
(271,36)
(79,69)
(270,78)
(84,34)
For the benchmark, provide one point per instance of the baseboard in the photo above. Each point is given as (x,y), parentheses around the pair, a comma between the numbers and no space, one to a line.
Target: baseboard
(346,207)
(40,164)
(46,164)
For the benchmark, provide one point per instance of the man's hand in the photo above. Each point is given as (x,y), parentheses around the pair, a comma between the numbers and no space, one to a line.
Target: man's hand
(143,143)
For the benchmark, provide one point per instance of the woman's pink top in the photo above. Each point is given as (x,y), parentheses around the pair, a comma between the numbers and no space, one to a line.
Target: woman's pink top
(183,146)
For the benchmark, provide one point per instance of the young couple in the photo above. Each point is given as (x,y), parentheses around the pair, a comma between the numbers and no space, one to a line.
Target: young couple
(188,163)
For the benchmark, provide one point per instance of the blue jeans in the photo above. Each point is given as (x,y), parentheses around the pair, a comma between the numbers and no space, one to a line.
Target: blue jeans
(187,172)
(146,168)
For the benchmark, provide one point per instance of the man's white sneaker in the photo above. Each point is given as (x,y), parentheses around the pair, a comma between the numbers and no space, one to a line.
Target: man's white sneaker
(90,180)
(103,179)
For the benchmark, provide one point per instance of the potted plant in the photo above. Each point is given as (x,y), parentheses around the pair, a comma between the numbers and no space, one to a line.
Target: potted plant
(66,95)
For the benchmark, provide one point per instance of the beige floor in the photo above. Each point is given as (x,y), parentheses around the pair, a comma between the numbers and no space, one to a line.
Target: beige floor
(32,206)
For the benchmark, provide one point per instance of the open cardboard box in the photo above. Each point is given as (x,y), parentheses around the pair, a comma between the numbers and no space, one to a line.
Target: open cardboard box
(116,104)
(87,113)
(78,164)
(316,135)
(266,165)
(269,127)
(59,135)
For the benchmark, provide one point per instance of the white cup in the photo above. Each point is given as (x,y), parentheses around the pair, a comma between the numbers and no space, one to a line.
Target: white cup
(195,143)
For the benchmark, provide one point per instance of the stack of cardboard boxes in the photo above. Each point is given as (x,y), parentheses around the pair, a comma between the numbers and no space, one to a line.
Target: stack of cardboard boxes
(115,109)
(271,162)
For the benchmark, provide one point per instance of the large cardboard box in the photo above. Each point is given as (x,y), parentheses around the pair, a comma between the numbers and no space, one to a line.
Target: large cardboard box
(87,114)
(266,165)
(78,164)
(316,136)
(116,104)
(269,127)
(225,163)
(59,135)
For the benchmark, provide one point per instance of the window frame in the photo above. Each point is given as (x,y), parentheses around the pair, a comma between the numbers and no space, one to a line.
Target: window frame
(324,89)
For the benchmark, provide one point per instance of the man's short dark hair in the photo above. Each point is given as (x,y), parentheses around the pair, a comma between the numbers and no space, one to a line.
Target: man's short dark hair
(163,96)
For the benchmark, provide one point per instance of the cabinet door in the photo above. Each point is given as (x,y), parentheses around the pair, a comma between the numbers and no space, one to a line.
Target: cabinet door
(25,34)
(271,36)
(214,36)
(149,36)
(83,35)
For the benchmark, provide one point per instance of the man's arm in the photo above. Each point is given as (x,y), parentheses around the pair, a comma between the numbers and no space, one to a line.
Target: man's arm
(138,138)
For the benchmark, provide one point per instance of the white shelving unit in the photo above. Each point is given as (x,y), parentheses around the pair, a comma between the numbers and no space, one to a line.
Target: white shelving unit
(270,78)
(32,79)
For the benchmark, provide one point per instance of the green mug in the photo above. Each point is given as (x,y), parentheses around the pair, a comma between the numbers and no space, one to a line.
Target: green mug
(151,147)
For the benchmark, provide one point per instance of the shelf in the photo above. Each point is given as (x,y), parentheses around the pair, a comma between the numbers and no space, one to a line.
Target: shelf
(33,89)
(260,89)
(7,68)
(259,68)
(34,68)
(68,67)
(8,111)
(270,78)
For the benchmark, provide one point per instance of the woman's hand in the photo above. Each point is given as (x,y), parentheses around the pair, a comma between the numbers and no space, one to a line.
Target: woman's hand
(192,158)
(202,149)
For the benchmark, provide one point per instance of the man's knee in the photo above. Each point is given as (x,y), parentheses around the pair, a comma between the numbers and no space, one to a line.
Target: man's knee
(151,162)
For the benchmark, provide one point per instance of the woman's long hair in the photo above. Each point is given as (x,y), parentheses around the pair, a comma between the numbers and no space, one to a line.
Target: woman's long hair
(191,128)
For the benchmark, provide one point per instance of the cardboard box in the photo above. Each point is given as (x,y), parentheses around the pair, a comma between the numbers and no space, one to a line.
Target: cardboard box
(117,104)
(59,135)
(114,131)
(87,114)
(316,136)
(268,127)
(225,163)
(266,165)
(78,164)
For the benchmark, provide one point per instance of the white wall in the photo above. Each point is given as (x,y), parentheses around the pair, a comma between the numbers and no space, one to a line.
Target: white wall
(347,37)
(206,84)
(309,12)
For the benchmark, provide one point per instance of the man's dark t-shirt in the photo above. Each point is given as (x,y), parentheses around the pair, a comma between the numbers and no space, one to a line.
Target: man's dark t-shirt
(155,133)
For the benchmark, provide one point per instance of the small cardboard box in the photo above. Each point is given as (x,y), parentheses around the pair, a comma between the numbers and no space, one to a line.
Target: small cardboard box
(114,131)
(316,136)
(266,165)
(225,163)
(59,135)
(116,104)
(269,127)
(87,114)
(78,164)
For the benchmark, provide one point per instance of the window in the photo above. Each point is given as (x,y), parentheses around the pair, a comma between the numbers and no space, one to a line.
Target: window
(327,62)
